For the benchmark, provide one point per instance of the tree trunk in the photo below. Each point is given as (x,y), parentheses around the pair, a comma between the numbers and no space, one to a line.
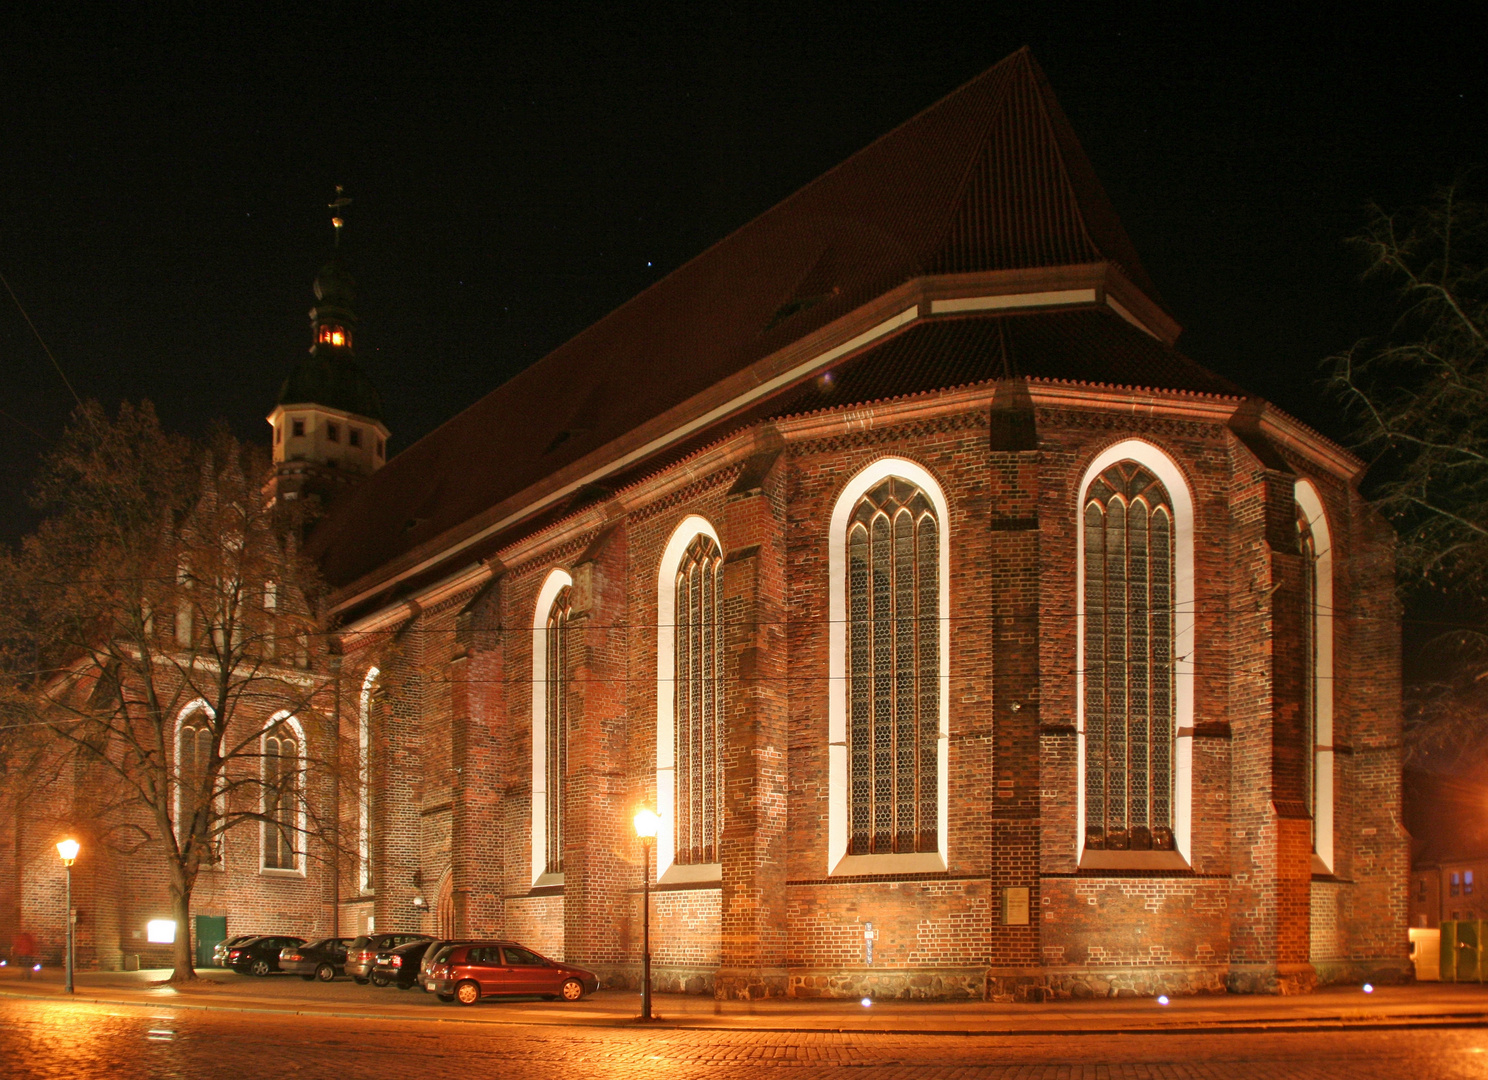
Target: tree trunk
(184,962)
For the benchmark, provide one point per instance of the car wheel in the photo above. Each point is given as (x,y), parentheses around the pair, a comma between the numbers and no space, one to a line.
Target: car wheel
(260,967)
(573,990)
(359,980)
(325,973)
(467,993)
(445,997)
(379,980)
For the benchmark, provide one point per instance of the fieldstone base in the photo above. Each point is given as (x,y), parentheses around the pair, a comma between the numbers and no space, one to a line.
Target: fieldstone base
(886,984)
(1380,972)
(750,984)
(665,979)
(1282,979)
(1066,983)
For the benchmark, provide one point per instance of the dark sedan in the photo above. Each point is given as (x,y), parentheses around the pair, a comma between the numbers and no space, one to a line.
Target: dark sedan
(260,955)
(221,949)
(363,952)
(323,959)
(400,967)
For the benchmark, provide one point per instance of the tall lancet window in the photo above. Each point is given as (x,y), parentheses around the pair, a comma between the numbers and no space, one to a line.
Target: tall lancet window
(893,654)
(1129,691)
(698,702)
(283,765)
(556,733)
(1309,546)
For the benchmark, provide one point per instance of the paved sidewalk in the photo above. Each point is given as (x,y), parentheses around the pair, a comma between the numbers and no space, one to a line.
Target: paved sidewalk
(1422,1005)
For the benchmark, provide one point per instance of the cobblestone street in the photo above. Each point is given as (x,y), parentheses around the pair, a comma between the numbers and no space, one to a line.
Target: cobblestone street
(67,1040)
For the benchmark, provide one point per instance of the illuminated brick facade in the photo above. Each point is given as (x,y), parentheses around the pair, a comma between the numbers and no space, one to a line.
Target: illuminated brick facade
(955,308)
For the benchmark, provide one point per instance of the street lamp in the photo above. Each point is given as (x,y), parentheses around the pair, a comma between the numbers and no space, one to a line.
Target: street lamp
(68,848)
(645,827)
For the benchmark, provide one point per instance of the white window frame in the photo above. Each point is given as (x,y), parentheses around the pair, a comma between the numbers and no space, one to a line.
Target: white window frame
(364,782)
(1156,461)
(667,871)
(556,582)
(839,862)
(286,718)
(1311,505)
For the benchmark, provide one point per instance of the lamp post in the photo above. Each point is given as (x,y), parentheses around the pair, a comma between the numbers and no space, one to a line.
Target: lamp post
(68,849)
(645,827)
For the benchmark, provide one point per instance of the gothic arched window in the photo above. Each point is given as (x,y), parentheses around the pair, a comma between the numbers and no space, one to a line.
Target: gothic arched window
(193,756)
(1315,546)
(556,725)
(364,780)
(282,750)
(1129,663)
(697,702)
(893,661)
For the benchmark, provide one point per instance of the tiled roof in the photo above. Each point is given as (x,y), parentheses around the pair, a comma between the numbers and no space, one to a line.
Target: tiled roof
(989,178)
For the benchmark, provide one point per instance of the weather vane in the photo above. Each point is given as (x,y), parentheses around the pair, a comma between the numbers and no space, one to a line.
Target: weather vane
(341,201)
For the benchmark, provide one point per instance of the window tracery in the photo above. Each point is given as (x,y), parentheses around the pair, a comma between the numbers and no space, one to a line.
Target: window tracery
(697,703)
(556,727)
(893,653)
(1129,712)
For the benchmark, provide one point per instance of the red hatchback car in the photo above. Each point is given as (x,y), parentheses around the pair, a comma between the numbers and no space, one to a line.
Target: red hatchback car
(470,971)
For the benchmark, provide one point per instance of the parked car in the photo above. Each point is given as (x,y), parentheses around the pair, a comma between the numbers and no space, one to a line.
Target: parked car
(467,973)
(323,959)
(400,967)
(260,955)
(362,954)
(441,947)
(220,950)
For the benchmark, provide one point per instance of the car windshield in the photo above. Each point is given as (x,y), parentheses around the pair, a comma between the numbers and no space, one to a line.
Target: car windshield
(443,954)
(361,942)
(323,943)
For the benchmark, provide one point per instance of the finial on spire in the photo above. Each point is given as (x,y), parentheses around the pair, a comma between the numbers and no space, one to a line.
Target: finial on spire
(341,201)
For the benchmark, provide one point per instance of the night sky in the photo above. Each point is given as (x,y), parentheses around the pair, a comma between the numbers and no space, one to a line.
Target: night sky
(164,171)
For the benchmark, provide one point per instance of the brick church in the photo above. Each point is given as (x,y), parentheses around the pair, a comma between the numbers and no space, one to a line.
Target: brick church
(967,638)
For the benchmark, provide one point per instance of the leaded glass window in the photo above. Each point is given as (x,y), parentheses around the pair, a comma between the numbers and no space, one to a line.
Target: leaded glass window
(1308,544)
(281,776)
(893,651)
(1129,698)
(698,702)
(556,726)
(193,755)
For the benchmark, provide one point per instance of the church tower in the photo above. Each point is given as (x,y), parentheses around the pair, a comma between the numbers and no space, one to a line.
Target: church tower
(328,425)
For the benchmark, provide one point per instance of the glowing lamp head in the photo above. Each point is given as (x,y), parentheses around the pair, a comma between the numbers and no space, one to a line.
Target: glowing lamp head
(646,822)
(68,849)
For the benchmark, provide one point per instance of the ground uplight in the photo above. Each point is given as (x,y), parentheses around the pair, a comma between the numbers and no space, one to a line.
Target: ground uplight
(1369,988)
(1162,999)
(867,1002)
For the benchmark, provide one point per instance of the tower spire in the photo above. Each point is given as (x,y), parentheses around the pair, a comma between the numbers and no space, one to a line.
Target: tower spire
(337,206)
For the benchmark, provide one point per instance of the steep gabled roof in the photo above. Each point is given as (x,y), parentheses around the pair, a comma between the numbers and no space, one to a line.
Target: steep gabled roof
(991,178)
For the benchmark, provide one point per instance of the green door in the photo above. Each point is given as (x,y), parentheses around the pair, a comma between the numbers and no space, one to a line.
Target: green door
(210,931)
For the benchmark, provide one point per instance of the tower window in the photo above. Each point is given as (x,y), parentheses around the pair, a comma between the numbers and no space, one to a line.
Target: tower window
(354,436)
(334,335)
(298,430)
(278,433)
(381,450)
(333,432)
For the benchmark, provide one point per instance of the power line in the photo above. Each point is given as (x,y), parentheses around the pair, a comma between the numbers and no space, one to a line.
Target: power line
(21,308)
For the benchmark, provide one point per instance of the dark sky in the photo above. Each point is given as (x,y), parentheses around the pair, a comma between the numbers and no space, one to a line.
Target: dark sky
(163,176)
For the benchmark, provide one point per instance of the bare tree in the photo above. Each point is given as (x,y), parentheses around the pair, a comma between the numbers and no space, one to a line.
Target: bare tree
(161,653)
(1418,396)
